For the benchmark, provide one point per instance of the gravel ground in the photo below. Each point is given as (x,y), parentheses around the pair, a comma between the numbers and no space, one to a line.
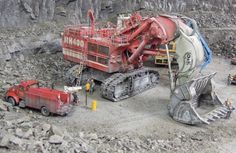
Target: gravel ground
(138,124)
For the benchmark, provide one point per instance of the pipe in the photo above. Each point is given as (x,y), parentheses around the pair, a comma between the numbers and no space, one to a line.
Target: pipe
(193,25)
(137,51)
(139,30)
(92,19)
(148,52)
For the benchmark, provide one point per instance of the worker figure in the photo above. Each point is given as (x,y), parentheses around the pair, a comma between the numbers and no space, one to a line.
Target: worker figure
(230,78)
(228,104)
(76,98)
(87,89)
(76,82)
(92,86)
(87,86)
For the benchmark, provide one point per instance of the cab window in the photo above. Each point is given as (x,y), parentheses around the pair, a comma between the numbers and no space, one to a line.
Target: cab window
(21,88)
(34,85)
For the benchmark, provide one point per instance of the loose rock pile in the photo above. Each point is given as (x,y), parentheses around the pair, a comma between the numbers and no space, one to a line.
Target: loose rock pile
(32,53)
(47,68)
(32,134)
(225,47)
(208,19)
(219,30)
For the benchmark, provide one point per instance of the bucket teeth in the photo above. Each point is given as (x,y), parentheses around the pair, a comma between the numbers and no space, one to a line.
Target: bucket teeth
(223,110)
(217,113)
(210,119)
(220,113)
(193,94)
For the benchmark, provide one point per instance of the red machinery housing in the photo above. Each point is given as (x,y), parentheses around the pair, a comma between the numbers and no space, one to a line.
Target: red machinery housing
(119,49)
(29,94)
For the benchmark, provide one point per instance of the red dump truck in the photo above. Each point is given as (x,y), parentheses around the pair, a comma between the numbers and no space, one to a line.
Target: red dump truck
(49,101)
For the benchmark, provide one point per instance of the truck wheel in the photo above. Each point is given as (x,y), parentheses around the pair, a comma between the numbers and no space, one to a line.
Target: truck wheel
(12,101)
(45,111)
(22,104)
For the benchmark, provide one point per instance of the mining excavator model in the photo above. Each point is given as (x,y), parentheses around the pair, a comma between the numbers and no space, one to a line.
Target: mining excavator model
(118,51)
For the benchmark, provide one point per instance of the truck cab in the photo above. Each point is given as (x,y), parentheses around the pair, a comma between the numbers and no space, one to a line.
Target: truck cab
(16,93)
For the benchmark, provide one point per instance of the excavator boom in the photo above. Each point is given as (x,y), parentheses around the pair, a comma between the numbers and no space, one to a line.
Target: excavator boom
(190,90)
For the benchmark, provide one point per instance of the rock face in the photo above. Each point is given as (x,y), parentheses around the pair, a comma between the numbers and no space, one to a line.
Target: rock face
(23,12)
(27,12)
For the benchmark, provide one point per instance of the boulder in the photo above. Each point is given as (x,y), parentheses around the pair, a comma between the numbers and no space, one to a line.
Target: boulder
(27,125)
(23,119)
(28,134)
(16,141)
(55,139)
(5,140)
(57,131)
(92,136)
(46,127)
(19,133)
(27,8)
(3,107)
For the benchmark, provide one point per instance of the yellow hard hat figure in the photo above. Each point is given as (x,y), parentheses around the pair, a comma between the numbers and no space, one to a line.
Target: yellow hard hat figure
(87,87)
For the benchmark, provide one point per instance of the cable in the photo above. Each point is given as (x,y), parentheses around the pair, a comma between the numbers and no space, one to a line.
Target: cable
(170,71)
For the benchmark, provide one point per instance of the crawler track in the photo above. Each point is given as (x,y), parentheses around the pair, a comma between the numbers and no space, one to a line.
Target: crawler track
(124,85)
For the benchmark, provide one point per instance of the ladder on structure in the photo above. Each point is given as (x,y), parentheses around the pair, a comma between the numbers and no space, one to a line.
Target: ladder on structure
(80,71)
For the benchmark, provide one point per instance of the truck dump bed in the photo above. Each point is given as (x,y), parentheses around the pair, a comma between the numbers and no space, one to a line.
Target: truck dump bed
(50,94)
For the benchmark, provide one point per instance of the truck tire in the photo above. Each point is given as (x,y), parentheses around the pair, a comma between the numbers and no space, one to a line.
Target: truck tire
(45,111)
(11,100)
(22,104)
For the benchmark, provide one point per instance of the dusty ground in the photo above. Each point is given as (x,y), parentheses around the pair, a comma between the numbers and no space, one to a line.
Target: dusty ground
(148,107)
(145,117)
(146,114)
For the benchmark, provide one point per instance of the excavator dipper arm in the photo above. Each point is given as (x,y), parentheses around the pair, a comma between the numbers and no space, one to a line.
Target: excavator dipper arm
(191,89)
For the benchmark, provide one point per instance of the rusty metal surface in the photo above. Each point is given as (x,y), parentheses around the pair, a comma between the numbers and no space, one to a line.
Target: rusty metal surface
(36,97)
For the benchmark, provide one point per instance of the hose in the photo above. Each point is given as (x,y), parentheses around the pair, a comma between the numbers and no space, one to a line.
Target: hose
(170,71)
(191,23)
